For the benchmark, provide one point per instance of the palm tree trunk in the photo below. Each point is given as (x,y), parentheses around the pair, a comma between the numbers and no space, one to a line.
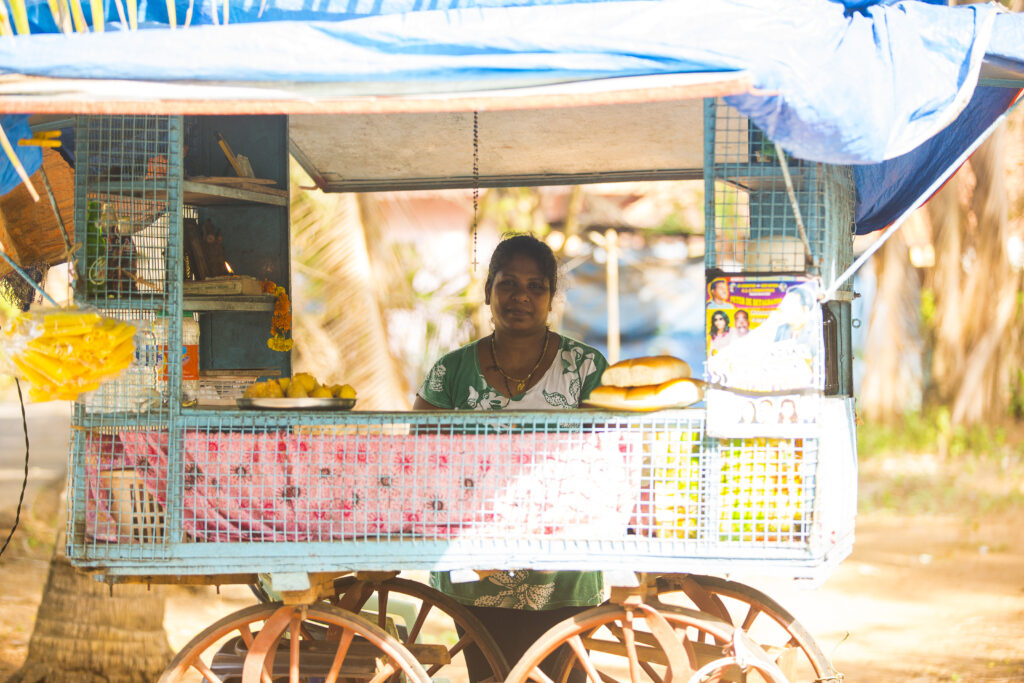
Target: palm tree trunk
(892,381)
(977,335)
(86,633)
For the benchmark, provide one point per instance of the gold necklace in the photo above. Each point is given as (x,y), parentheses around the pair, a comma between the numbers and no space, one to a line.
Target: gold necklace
(520,383)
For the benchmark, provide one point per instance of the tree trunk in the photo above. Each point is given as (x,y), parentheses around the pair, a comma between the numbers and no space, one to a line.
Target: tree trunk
(892,380)
(977,325)
(83,634)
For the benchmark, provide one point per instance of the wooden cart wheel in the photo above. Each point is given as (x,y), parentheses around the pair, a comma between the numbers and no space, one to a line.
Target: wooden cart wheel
(353,593)
(645,643)
(272,642)
(766,622)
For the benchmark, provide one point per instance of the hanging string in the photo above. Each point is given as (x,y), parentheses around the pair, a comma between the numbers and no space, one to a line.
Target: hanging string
(24,479)
(476,180)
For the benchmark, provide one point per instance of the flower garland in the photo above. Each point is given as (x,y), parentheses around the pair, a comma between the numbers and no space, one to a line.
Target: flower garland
(281,321)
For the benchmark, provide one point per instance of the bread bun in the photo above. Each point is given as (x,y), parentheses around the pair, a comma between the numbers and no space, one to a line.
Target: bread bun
(676,393)
(645,371)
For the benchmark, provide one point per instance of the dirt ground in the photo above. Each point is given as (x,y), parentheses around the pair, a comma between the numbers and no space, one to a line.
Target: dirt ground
(934,589)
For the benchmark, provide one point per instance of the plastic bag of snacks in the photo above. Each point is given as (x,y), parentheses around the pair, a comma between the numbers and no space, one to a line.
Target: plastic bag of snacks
(64,352)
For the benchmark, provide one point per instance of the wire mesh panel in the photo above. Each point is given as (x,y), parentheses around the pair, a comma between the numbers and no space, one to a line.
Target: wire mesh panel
(770,213)
(767,491)
(284,491)
(128,178)
(128,213)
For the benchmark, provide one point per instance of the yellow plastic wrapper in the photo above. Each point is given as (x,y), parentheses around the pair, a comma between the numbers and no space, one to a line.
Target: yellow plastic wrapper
(64,352)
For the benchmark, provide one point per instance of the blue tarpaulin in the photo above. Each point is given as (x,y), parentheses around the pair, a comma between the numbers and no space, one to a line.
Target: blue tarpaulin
(890,87)
(16,128)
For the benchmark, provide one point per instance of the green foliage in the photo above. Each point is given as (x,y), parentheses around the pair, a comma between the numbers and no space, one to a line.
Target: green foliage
(1017,395)
(677,224)
(927,466)
(932,431)
(928,308)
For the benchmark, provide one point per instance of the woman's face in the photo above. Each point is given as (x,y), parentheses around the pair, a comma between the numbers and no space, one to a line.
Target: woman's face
(520,296)
(718,322)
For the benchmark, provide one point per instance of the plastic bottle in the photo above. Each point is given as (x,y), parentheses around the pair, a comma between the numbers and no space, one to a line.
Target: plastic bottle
(189,355)
(189,358)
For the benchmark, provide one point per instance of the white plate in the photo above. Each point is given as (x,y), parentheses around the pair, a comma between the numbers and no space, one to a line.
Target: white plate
(296,403)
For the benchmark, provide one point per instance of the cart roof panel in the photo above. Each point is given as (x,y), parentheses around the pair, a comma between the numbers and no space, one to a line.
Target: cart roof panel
(891,87)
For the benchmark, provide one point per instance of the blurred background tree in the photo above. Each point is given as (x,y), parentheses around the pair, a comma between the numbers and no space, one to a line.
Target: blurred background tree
(955,306)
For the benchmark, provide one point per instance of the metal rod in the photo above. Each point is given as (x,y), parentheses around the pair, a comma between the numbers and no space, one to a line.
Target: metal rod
(611,247)
(27,279)
(56,211)
(784,165)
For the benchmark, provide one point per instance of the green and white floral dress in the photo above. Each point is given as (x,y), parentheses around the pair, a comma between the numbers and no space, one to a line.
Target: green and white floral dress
(456,382)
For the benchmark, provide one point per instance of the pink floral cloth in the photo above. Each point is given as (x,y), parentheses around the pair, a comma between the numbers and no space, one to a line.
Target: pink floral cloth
(280,486)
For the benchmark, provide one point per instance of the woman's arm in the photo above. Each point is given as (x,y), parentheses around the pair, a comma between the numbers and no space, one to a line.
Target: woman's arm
(422,404)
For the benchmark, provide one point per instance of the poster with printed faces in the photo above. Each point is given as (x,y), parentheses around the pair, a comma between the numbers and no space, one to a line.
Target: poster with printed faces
(765,356)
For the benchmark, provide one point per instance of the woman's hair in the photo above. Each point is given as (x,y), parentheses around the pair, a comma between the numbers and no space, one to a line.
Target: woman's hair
(523,245)
(782,412)
(723,316)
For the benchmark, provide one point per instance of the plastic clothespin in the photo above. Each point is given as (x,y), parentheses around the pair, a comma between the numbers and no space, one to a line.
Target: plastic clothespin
(42,138)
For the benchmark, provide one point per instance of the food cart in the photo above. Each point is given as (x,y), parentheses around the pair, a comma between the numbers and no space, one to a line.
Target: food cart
(319,509)
(326,503)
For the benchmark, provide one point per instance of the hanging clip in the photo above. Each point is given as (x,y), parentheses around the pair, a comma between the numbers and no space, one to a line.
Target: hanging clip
(42,138)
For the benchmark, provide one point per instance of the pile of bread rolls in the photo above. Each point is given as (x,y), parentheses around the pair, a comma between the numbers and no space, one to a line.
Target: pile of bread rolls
(647,383)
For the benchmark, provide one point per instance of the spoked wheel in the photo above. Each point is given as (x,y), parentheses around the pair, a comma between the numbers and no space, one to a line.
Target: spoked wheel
(273,642)
(778,633)
(646,643)
(450,624)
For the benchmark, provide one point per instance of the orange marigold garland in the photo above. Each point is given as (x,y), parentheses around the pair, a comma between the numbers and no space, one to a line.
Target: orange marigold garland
(281,321)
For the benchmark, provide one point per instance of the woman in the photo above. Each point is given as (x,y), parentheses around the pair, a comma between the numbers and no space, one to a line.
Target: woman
(522,365)
(787,411)
(720,335)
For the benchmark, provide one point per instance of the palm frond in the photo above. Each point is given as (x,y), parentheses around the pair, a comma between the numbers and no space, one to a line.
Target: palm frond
(339,326)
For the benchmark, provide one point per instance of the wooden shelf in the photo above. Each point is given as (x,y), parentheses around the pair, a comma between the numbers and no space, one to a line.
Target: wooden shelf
(195,192)
(200,303)
(200,193)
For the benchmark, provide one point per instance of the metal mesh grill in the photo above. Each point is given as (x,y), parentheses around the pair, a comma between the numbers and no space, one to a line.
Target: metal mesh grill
(767,488)
(375,490)
(752,225)
(128,177)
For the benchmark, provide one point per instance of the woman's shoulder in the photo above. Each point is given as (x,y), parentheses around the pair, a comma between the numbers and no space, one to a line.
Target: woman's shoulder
(583,351)
(458,355)
(456,363)
(569,342)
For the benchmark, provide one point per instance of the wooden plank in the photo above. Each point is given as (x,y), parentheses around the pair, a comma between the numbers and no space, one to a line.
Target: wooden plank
(228,180)
(200,303)
(205,194)
(43,95)
(223,285)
